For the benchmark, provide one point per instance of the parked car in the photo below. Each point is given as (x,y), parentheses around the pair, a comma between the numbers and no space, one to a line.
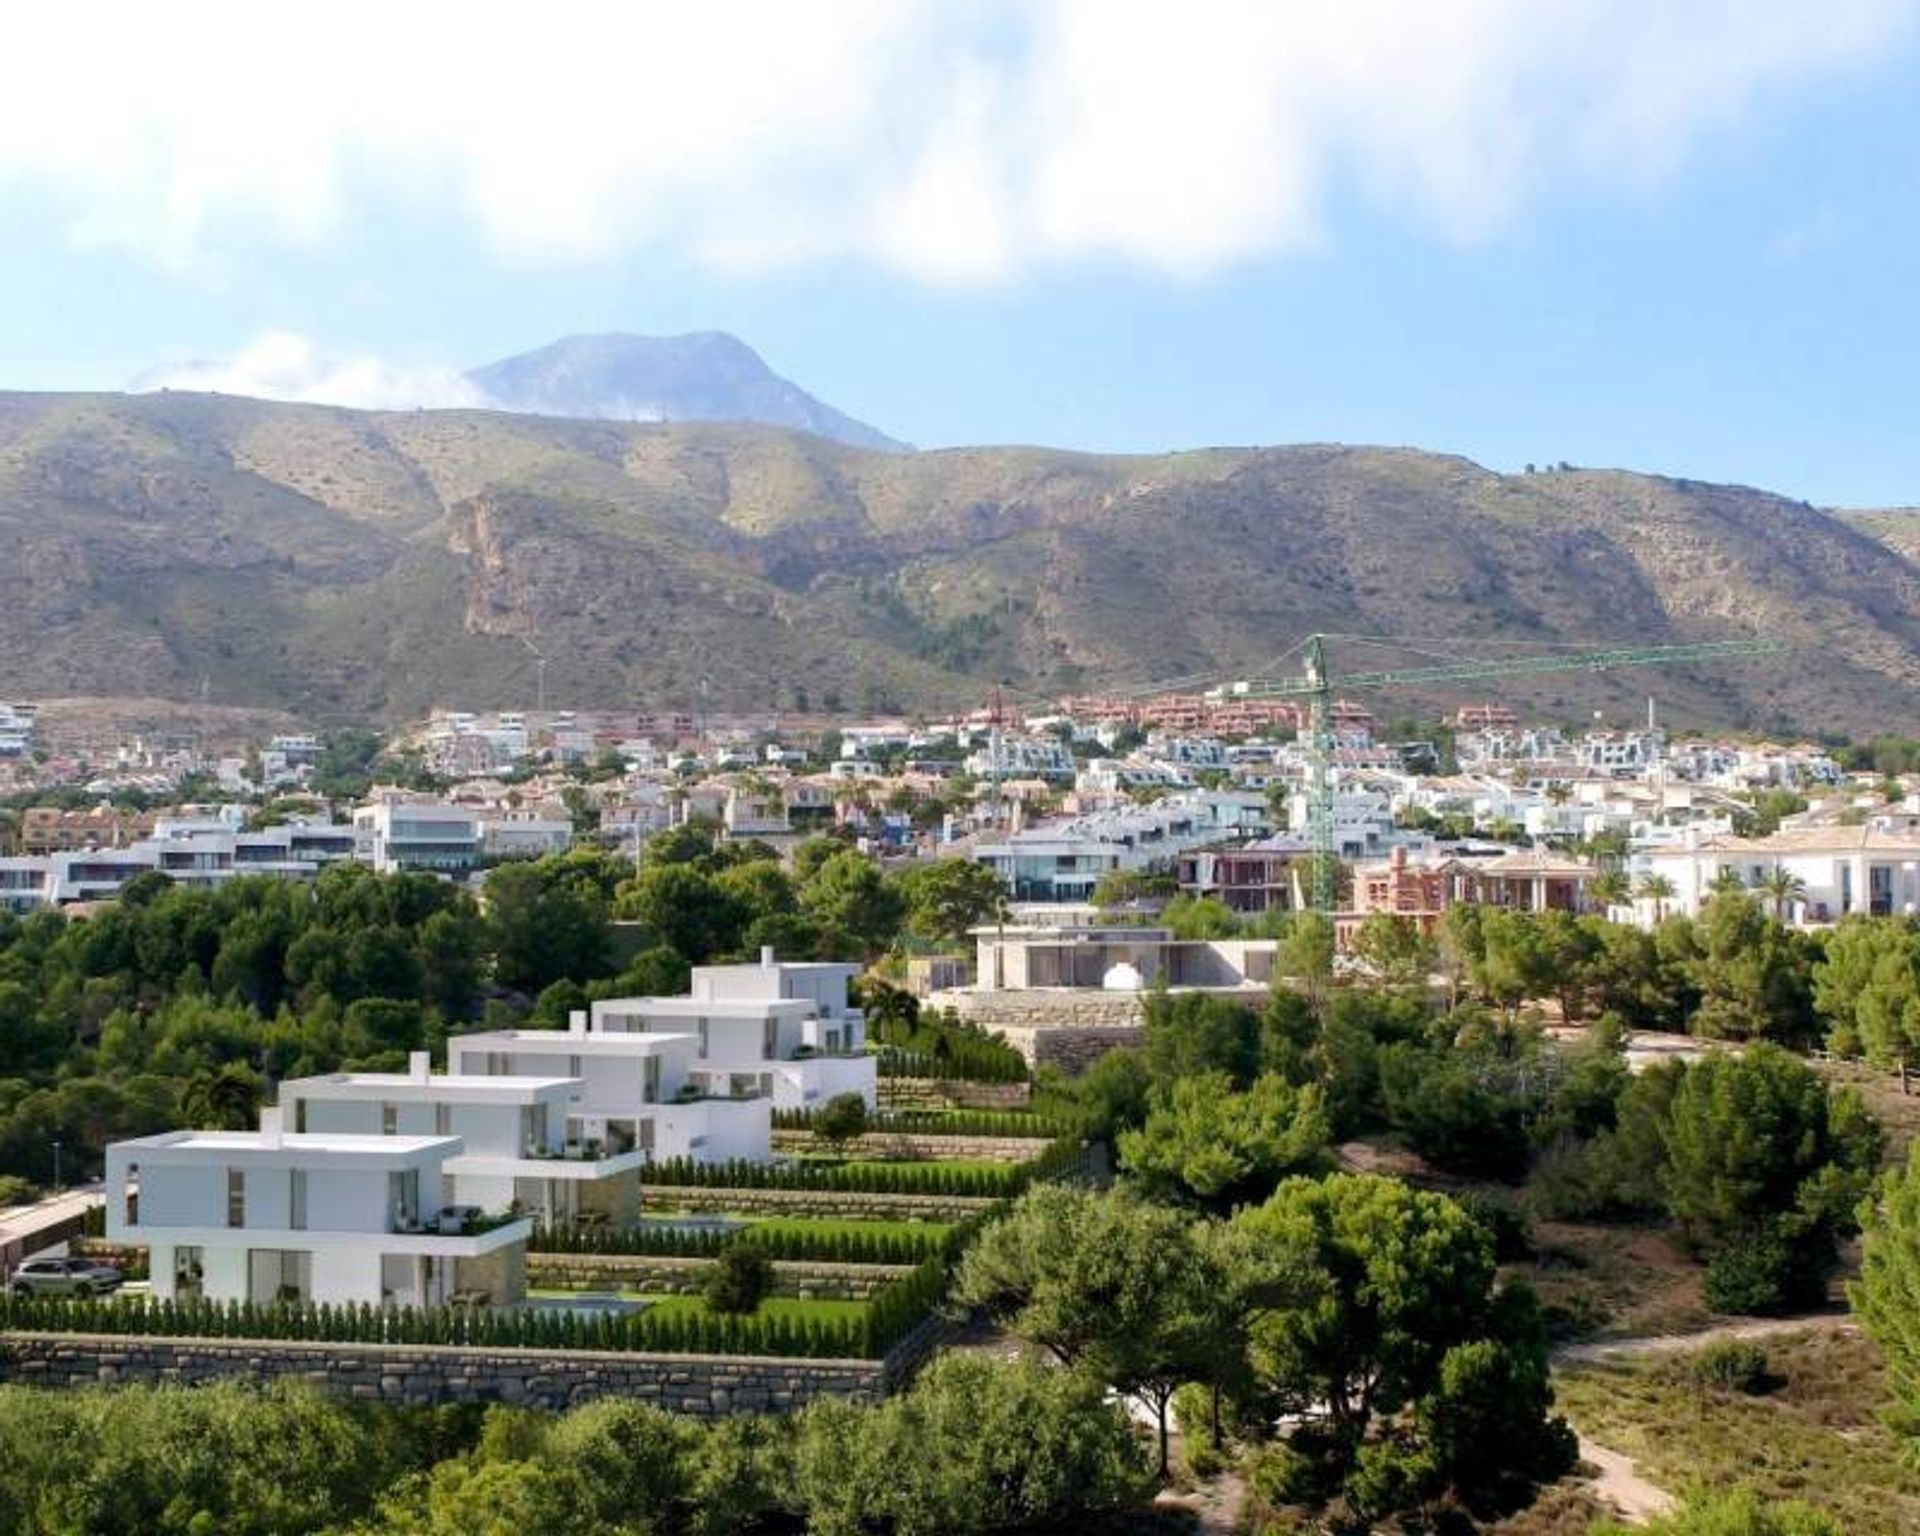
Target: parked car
(65,1277)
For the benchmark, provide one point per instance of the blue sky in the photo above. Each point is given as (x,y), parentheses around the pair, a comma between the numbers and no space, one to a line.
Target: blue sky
(1677,237)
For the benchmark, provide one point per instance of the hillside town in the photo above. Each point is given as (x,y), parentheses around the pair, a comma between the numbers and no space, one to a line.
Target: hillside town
(1189,796)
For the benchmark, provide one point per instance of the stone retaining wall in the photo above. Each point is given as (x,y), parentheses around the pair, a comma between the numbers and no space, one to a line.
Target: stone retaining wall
(901,1146)
(1069,1030)
(1042,1006)
(681,1277)
(851,1204)
(940,1092)
(706,1386)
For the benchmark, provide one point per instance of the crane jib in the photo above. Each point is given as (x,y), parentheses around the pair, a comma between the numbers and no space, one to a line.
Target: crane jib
(1318,687)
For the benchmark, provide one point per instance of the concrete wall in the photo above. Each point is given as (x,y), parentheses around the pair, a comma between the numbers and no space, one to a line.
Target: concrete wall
(601,1272)
(810,1083)
(418,1375)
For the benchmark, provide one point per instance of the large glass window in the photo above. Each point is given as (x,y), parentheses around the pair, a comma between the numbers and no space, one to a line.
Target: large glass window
(403,1197)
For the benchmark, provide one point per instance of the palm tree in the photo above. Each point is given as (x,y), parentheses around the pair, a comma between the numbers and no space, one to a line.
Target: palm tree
(1659,890)
(1783,887)
(1726,881)
(1610,888)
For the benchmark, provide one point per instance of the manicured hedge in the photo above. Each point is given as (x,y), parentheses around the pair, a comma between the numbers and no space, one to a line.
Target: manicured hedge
(999,1181)
(966,1057)
(885,1245)
(670,1331)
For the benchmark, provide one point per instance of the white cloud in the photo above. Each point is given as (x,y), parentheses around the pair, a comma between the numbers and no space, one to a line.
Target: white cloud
(957,143)
(281,365)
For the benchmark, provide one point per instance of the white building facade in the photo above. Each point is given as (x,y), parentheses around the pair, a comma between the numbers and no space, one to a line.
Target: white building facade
(515,1151)
(262,1216)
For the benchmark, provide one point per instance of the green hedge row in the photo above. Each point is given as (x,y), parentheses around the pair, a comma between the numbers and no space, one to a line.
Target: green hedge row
(999,1181)
(942,1122)
(892,1312)
(887,1245)
(965,1058)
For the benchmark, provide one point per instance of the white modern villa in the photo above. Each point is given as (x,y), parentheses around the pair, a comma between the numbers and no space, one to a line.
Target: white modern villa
(696,1076)
(636,1093)
(267,1216)
(780,1029)
(515,1149)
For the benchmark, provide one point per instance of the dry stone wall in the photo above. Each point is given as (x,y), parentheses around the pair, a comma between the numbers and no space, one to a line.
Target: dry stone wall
(1067,1030)
(939,1093)
(897,1146)
(683,1277)
(851,1204)
(419,1375)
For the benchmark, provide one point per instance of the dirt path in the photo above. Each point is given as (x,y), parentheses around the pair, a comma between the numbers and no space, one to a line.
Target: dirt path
(1616,1479)
(1601,1350)
(1215,1505)
(1619,1483)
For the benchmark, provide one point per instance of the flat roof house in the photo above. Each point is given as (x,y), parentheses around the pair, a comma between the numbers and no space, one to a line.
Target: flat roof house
(636,1093)
(785,1030)
(416,835)
(515,1153)
(265,1216)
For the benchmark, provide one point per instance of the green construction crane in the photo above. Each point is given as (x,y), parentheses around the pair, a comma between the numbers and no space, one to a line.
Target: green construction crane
(1316,685)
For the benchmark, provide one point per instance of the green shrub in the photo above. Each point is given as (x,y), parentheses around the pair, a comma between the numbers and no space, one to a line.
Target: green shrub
(1732,1365)
(739,1281)
(1763,1277)
(843,1118)
(1505,1222)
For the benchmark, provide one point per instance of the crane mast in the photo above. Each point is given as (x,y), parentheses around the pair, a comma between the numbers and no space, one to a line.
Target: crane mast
(1316,686)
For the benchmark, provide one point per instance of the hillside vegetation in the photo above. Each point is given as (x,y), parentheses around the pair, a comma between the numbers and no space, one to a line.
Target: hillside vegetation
(349,565)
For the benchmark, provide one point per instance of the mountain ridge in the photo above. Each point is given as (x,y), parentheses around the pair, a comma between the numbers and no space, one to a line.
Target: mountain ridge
(693,376)
(366,566)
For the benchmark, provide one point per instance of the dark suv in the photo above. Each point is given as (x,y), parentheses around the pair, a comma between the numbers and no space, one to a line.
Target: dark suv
(65,1277)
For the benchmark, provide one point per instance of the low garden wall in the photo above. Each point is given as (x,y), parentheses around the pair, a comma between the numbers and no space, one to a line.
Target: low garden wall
(706,1386)
(905,1146)
(670,1276)
(850,1204)
(940,1092)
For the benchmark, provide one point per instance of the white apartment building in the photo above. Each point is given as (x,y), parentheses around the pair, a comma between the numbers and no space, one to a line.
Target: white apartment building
(636,1093)
(1023,757)
(516,1153)
(419,835)
(1872,869)
(524,835)
(263,1216)
(16,729)
(1362,821)
(1063,860)
(203,852)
